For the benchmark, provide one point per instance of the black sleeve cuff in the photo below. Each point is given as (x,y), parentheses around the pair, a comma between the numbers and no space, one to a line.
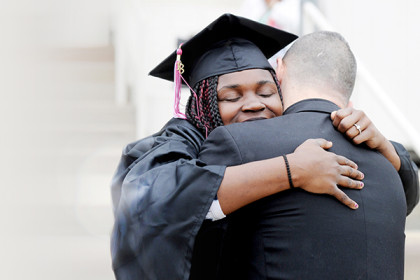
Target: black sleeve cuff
(409,175)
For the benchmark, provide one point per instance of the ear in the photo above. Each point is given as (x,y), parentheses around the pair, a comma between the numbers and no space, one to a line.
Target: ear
(280,69)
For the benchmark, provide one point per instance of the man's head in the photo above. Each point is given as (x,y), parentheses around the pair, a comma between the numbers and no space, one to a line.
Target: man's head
(318,65)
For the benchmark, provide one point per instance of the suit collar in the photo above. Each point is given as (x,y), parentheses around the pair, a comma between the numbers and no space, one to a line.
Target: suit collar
(312,105)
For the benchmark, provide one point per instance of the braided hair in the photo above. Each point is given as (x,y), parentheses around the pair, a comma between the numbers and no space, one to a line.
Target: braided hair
(202,107)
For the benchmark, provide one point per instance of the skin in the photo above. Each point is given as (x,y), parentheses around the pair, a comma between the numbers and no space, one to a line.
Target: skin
(251,95)
(343,119)
(248,95)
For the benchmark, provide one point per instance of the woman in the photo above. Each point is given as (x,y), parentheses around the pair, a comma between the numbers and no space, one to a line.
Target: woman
(162,193)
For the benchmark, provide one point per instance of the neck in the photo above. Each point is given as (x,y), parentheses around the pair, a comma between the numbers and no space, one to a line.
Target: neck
(294,95)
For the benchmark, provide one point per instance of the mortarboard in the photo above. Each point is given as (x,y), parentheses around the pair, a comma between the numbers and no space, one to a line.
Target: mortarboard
(229,44)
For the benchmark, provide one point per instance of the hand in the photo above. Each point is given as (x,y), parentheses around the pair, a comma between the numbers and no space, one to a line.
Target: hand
(345,119)
(318,171)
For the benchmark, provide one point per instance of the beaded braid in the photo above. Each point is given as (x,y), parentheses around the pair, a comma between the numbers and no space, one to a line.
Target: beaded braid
(273,74)
(208,116)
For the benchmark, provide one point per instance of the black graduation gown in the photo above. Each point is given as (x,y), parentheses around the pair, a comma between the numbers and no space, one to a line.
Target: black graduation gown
(155,228)
(300,235)
(161,194)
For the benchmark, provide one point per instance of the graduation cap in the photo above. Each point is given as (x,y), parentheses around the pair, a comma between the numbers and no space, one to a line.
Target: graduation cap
(229,44)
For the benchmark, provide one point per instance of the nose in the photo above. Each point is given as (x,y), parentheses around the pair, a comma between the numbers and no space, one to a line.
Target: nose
(253,104)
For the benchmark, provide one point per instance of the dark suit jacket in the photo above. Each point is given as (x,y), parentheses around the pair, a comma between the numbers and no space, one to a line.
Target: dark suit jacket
(298,235)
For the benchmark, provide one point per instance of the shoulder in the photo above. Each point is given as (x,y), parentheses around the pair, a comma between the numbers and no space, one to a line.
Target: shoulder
(175,131)
(258,128)
(220,148)
(180,129)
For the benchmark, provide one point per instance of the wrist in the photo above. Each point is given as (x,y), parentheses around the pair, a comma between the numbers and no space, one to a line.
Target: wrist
(384,146)
(389,152)
(289,173)
(294,170)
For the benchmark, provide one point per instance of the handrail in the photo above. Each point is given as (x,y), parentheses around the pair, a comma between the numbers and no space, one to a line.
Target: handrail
(310,11)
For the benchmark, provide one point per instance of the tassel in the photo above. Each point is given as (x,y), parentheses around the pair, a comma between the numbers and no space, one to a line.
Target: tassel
(178,71)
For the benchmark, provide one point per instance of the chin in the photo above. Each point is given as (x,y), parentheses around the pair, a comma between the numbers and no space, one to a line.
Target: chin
(255,119)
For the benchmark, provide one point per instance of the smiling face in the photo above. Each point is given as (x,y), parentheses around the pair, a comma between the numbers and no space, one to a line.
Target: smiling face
(248,95)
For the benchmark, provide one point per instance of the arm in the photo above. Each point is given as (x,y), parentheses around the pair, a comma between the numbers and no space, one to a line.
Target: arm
(252,181)
(161,194)
(245,183)
(344,121)
(409,175)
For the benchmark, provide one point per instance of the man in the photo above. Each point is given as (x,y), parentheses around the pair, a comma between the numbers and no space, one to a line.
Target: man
(162,194)
(295,234)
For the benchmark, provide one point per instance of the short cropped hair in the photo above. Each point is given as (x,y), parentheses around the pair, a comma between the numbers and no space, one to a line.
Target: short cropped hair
(322,59)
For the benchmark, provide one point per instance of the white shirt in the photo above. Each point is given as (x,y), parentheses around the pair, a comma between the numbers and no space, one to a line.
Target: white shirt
(215,212)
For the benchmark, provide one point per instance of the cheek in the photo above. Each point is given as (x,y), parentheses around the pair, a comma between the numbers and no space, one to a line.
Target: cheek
(275,105)
(227,112)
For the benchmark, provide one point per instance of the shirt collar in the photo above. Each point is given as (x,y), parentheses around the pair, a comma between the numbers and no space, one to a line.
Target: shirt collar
(312,105)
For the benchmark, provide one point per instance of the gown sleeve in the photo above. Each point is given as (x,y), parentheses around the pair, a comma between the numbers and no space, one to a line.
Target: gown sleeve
(161,194)
(409,175)
(220,142)
(213,253)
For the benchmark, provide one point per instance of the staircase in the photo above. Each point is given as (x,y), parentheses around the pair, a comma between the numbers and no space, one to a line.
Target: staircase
(61,142)
(65,138)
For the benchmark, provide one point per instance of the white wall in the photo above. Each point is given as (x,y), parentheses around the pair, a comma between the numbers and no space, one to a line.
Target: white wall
(384,36)
(381,33)
(52,23)
(146,33)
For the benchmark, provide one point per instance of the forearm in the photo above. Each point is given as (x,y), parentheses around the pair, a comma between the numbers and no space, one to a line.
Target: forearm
(311,167)
(246,183)
(388,151)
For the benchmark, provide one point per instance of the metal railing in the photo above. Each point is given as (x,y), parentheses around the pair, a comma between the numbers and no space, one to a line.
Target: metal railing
(312,17)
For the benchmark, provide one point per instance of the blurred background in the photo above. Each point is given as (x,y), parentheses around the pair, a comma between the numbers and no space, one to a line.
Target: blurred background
(74,91)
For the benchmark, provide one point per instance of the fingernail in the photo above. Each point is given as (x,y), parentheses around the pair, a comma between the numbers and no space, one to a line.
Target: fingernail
(362,175)
(356,205)
(362,184)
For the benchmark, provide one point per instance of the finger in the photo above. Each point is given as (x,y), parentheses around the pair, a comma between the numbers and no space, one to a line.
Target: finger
(349,121)
(332,116)
(322,143)
(351,172)
(347,182)
(366,135)
(344,112)
(363,122)
(340,114)
(343,198)
(345,161)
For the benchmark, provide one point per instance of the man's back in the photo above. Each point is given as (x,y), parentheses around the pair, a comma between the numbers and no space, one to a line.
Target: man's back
(299,235)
